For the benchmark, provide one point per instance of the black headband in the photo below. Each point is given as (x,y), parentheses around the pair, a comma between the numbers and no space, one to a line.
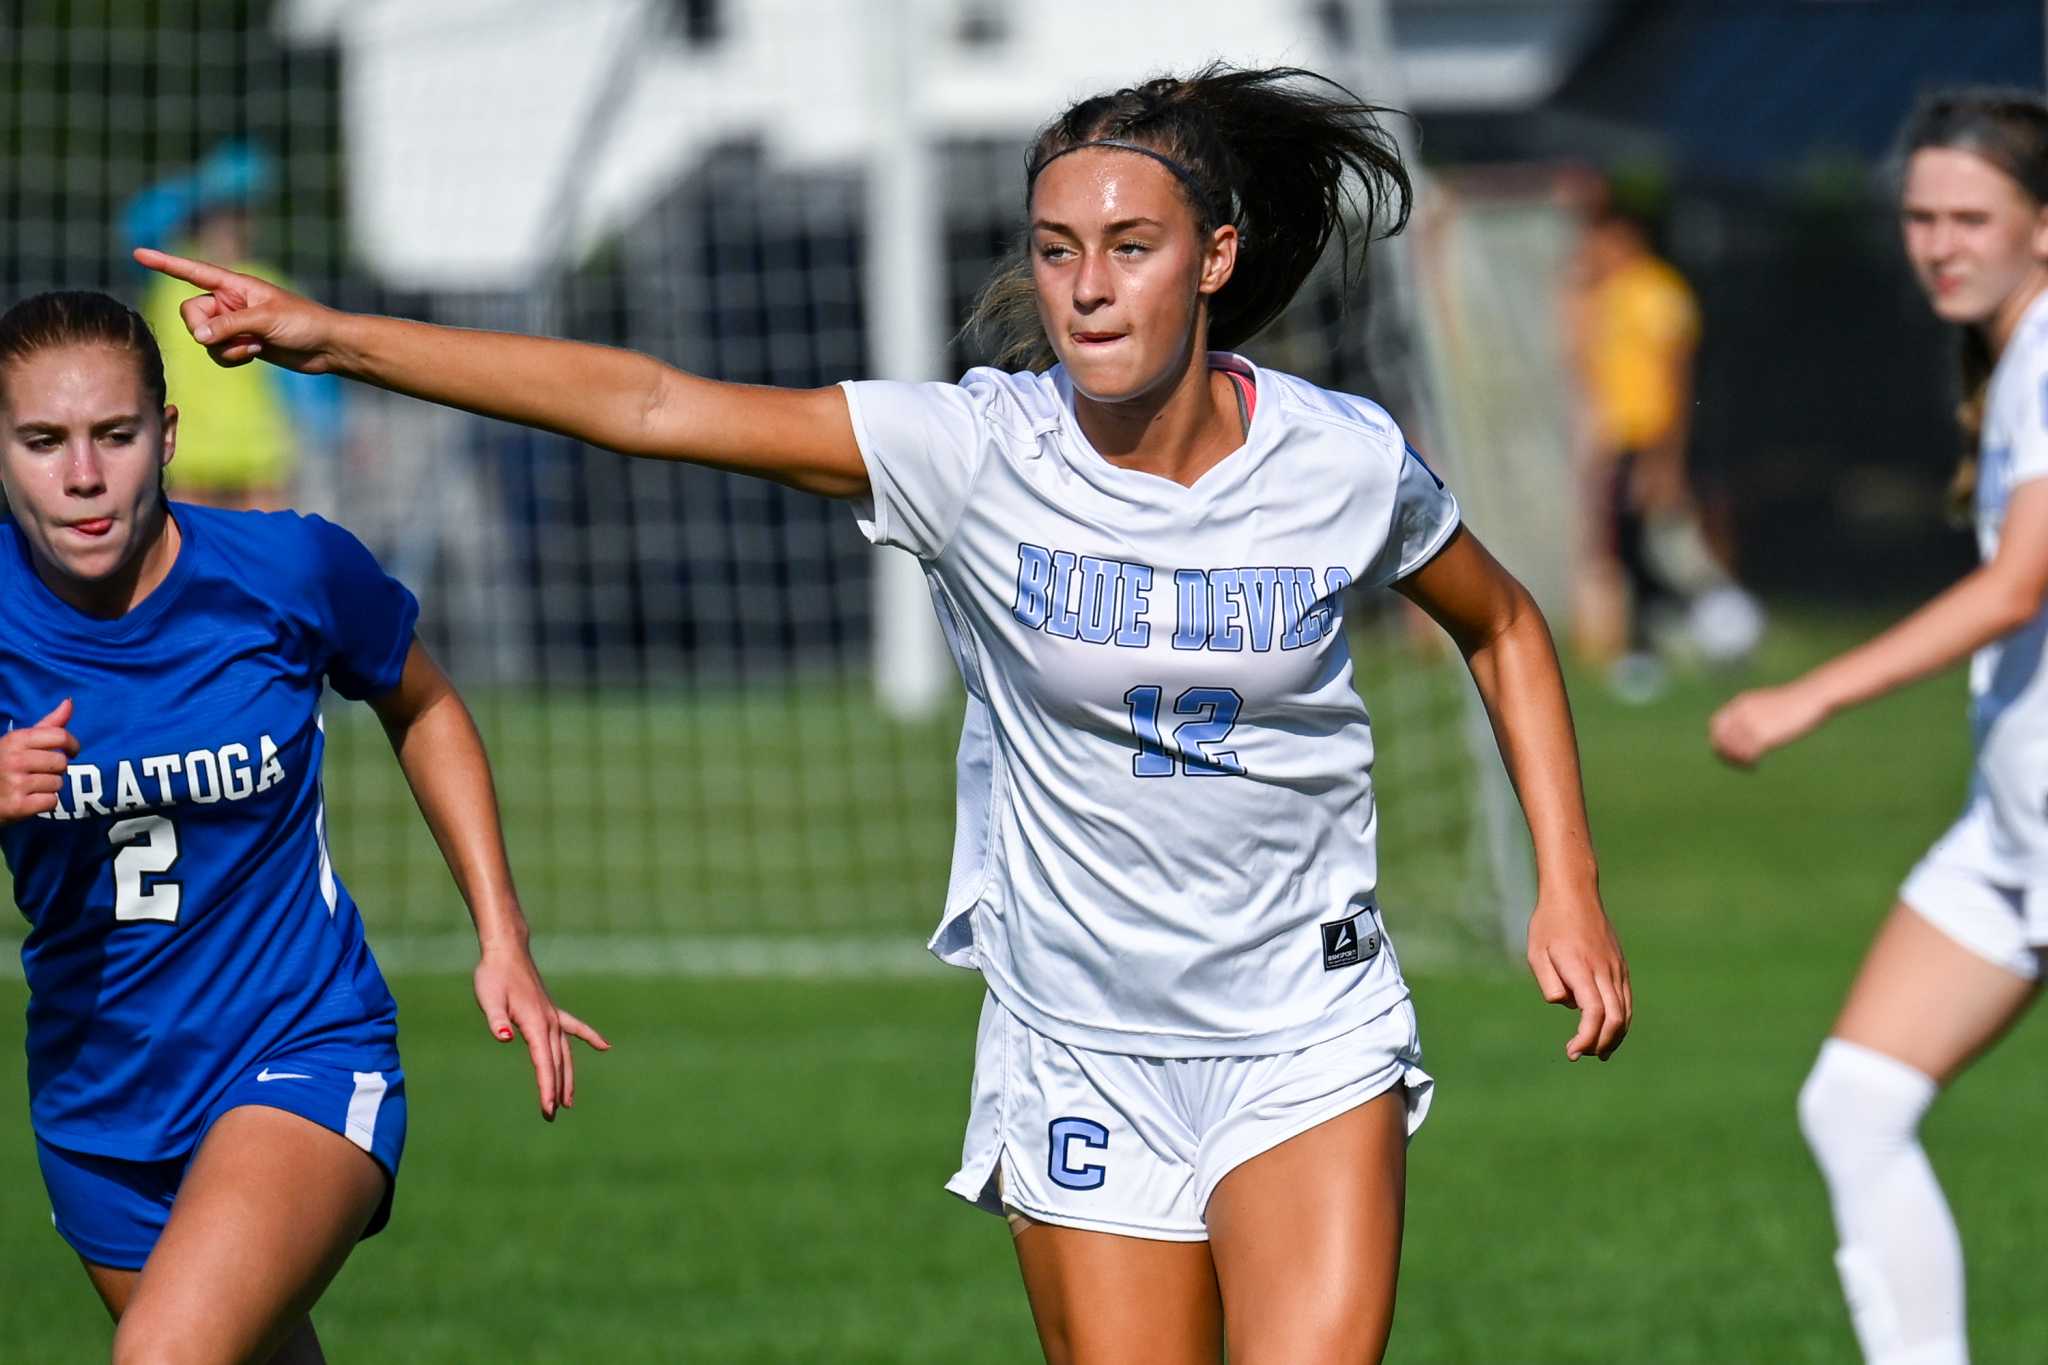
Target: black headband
(1182,173)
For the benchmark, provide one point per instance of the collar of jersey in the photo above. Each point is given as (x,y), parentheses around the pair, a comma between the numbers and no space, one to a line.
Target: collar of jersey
(1225,473)
(55,611)
(2031,320)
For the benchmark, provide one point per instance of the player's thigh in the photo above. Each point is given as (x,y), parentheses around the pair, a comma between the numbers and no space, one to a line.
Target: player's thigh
(1100,1298)
(1923,998)
(270,1208)
(1307,1240)
(113,1286)
(116,1287)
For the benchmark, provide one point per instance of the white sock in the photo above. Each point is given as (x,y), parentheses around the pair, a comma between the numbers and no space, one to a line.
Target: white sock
(1900,1259)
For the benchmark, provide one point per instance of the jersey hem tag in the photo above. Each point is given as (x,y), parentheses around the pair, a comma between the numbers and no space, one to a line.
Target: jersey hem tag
(1350,941)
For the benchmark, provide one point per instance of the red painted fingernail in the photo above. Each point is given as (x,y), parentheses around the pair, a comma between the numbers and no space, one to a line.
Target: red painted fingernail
(505,1034)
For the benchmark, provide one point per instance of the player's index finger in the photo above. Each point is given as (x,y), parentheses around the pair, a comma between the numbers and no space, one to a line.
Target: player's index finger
(50,737)
(540,1051)
(183,268)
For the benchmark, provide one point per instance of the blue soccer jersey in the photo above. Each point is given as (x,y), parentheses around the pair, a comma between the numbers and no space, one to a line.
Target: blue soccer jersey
(185,921)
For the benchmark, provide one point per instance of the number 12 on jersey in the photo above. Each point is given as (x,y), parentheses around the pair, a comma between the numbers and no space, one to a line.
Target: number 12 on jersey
(1213,712)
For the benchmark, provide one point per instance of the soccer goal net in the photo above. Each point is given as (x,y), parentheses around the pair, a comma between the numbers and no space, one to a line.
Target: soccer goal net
(676,670)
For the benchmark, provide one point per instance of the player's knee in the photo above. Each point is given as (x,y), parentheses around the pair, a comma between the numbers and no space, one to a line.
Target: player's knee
(1337,1346)
(1819,1105)
(1858,1105)
(1341,1329)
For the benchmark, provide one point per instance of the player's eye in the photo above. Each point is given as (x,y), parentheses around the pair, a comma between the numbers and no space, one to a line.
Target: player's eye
(1133,248)
(120,436)
(1054,251)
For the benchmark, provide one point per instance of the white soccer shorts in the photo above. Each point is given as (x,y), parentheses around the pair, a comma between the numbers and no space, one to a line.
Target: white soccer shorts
(1136,1145)
(1968,891)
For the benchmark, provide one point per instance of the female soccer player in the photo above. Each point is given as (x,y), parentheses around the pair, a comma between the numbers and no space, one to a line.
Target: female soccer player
(1197,1067)
(1960,956)
(213,1068)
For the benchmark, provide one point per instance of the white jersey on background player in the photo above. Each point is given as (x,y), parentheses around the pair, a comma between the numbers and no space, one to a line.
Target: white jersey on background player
(1165,841)
(1958,960)
(1986,881)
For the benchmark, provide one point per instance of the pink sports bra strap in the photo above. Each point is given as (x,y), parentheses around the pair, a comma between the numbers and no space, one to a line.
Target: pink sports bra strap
(1246,390)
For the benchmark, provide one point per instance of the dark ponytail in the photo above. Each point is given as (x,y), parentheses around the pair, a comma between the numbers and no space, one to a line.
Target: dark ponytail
(1974,364)
(44,322)
(1278,152)
(2009,129)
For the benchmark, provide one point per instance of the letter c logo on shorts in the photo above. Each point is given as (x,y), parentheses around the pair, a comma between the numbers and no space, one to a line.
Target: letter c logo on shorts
(1060,1164)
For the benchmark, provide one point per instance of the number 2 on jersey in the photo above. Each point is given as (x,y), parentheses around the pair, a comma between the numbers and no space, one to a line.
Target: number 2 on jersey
(1215,714)
(149,845)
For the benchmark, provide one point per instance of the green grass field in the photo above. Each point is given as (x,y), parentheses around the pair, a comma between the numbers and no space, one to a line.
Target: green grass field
(754,1174)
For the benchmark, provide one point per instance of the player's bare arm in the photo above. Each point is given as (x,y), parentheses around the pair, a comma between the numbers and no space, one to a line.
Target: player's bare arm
(1987,603)
(443,758)
(603,395)
(1497,626)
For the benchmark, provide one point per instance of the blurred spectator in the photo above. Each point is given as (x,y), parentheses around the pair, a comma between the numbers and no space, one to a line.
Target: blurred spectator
(241,432)
(1646,575)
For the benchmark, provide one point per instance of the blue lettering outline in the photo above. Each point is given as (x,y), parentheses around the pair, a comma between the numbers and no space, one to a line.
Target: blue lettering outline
(1062,1134)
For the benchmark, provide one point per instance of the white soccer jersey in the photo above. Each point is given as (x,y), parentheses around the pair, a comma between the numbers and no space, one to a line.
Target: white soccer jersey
(2008,688)
(1165,837)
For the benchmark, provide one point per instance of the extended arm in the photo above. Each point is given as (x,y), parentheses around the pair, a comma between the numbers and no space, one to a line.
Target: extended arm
(609,397)
(1990,601)
(442,756)
(1498,628)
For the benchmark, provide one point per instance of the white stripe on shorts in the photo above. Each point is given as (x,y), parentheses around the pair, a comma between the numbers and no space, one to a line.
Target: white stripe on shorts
(361,1128)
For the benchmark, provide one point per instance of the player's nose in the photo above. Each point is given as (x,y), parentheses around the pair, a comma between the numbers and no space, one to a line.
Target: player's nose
(1092,286)
(84,475)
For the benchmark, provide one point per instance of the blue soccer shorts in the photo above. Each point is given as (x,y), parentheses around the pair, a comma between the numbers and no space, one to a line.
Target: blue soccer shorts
(111,1211)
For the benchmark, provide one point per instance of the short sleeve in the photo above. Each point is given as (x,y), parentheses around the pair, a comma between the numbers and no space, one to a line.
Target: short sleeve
(362,618)
(1422,518)
(923,445)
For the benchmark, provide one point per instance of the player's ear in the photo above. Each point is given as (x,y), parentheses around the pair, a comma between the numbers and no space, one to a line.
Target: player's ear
(1219,259)
(170,438)
(2040,239)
